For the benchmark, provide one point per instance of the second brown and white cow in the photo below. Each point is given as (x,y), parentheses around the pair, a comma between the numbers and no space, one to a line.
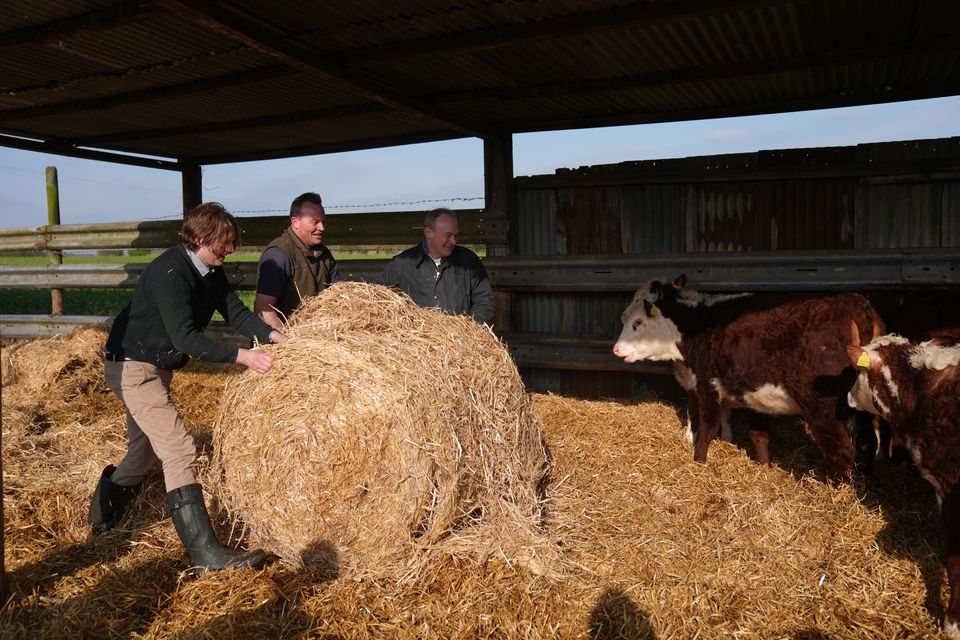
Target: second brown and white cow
(779,354)
(916,388)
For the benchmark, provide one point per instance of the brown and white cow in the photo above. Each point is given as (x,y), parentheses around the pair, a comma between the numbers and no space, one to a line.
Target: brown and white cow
(916,388)
(779,354)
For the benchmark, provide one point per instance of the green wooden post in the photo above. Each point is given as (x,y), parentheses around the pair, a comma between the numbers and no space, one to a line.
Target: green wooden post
(53,217)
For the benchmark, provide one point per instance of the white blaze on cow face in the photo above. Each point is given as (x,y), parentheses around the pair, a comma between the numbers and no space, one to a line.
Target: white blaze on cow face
(646,338)
(862,397)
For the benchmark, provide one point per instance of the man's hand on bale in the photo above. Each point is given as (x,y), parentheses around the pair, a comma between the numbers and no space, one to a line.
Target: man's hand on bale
(256,359)
(277,337)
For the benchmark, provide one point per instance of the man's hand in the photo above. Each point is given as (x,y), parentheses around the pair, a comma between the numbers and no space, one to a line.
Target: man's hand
(277,338)
(256,359)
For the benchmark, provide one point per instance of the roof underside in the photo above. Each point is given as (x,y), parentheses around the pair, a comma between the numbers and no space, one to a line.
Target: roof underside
(206,82)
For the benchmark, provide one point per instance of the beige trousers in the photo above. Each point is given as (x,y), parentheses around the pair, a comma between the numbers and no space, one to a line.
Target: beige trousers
(155,431)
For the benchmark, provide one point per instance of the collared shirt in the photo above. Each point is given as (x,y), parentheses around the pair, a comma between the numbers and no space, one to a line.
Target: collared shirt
(198,263)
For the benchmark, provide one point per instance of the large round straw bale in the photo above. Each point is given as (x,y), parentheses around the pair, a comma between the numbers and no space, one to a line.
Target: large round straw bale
(382,428)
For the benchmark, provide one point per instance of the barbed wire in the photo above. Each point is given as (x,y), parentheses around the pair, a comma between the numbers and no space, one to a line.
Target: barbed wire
(341,206)
(377,204)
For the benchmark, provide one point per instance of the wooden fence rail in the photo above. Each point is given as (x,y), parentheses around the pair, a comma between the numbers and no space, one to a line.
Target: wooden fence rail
(743,271)
(510,275)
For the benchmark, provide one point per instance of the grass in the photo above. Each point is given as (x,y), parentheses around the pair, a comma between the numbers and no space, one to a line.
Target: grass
(143,257)
(78,302)
(109,302)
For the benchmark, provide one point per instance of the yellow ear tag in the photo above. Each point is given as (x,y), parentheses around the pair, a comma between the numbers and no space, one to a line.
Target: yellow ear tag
(653,310)
(677,286)
(864,360)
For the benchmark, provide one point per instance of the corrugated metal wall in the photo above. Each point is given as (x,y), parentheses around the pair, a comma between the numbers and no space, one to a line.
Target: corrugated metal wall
(893,195)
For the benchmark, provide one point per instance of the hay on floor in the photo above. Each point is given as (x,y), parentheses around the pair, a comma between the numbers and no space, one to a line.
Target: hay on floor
(382,429)
(654,544)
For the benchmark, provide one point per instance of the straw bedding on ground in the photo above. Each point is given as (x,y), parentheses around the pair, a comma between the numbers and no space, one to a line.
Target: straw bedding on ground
(653,544)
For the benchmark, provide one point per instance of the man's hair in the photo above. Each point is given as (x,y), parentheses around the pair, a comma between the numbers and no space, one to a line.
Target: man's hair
(303,198)
(433,214)
(209,223)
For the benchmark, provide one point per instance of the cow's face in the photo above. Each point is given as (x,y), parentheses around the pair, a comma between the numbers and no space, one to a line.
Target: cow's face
(646,333)
(868,391)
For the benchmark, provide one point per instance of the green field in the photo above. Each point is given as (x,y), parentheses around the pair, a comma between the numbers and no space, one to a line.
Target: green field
(108,302)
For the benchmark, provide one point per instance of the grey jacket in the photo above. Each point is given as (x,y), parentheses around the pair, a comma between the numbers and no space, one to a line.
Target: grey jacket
(459,286)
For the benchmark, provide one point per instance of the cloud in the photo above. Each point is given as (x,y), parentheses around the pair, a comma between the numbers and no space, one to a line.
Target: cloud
(724,135)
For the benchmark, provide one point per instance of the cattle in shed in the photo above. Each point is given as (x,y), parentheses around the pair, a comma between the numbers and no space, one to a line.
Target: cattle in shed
(918,315)
(777,354)
(916,388)
(758,423)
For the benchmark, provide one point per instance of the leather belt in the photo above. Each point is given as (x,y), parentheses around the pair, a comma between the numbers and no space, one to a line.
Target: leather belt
(112,357)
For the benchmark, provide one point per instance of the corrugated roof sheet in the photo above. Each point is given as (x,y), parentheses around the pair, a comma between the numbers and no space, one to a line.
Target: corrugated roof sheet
(76,70)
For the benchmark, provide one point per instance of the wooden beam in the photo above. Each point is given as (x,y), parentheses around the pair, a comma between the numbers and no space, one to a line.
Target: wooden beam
(146,95)
(271,41)
(334,147)
(235,125)
(62,149)
(630,17)
(85,23)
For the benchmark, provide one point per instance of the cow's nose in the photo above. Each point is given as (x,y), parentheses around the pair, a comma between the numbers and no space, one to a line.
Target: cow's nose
(616,349)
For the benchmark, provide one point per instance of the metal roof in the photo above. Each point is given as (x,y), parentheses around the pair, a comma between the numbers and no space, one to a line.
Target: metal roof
(203,82)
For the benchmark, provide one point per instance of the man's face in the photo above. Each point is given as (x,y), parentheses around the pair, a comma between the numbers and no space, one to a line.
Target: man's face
(442,240)
(310,224)
(212,254)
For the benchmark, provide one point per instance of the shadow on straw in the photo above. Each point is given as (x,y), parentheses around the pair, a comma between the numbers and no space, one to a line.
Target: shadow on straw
(616,617)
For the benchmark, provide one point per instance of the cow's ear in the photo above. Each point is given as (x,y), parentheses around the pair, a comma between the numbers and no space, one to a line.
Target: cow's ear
(858,357)
(650,309)
(680,282)
(656,288)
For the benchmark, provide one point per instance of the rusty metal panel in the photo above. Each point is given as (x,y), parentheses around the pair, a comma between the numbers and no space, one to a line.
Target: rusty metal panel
(588,221)
(592,313)
(771,215)
(900,215)
(537,222)
(950,236)
(652,218)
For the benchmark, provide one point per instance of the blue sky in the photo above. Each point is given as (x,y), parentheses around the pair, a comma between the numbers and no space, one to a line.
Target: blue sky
(445,173)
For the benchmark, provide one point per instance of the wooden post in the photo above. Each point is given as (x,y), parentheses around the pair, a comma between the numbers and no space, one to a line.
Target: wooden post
(191,179)
(53,217)
(500,208)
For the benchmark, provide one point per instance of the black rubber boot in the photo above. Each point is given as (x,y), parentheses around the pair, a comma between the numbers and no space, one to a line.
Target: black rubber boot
(193,526)
(109,501)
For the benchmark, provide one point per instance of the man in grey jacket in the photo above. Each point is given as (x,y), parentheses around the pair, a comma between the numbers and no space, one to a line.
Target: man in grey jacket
(438,273)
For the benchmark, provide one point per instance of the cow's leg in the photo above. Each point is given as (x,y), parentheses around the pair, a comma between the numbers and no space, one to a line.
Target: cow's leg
(726,433)
(709,427)
(759,426)
(693,416)
(866,441)
(830,434)
(951,519)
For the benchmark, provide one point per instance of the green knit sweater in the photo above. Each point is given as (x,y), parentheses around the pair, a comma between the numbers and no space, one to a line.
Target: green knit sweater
(171,306)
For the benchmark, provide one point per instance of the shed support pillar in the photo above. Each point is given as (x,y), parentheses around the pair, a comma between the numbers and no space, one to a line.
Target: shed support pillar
(500,210)
(191,176)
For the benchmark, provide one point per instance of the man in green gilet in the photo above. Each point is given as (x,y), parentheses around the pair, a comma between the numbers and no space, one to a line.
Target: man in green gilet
(296,264)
